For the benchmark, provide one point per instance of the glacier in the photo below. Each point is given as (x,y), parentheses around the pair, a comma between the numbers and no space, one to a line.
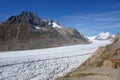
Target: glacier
(45,64)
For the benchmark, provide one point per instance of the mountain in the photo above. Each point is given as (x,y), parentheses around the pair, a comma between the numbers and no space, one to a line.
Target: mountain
(1,23)
(28,31)
(26,17)
(104,36)
(104,64)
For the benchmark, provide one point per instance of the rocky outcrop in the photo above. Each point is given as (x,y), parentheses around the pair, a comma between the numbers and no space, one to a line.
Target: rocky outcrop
(28,31)
(104,62)
(110,52)
(26,17)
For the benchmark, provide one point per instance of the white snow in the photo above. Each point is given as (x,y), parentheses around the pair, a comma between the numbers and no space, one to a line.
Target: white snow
(37,27)
(55,25)
(44,64)
(104,36)
(91,37)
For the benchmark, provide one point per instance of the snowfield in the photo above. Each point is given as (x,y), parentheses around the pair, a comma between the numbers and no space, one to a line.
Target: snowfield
(44,64)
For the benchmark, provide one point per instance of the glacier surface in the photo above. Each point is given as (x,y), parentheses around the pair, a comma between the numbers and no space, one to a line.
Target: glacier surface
(45,64)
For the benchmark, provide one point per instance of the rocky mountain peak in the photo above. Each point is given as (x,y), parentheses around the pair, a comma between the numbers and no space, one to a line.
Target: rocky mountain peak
(28,31)
(28,14)
(26,17)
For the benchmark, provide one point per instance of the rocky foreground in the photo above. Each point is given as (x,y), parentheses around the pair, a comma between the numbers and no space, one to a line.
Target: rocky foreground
(104,64)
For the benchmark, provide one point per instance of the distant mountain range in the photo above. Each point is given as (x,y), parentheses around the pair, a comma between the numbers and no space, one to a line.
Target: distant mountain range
(28,31)
(103,36)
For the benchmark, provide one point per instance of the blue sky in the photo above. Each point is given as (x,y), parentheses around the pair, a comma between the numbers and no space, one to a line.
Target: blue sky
(88,16)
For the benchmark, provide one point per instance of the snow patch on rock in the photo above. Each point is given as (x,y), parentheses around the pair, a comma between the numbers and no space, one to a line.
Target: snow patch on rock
(55,25)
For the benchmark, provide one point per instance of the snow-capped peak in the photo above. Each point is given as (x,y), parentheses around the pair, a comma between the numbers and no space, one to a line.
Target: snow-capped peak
(104,36)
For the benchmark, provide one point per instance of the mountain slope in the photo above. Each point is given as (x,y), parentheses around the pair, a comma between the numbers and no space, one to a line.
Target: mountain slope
(105,63)
(104,36)
(28,31)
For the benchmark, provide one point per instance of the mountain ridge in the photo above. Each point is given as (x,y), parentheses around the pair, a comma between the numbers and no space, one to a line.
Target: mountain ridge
(102,36)
(28,31)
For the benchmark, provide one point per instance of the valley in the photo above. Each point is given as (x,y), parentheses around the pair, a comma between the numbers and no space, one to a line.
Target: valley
(45,64)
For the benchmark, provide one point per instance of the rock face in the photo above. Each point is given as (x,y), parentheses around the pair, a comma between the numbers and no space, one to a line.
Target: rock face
(104,36)
(28,31)
(110,52)
(27,17)
(104,62)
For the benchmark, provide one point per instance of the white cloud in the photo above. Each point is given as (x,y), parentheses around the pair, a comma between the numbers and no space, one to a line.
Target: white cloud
(96,22)
(108,19)
(106,16)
